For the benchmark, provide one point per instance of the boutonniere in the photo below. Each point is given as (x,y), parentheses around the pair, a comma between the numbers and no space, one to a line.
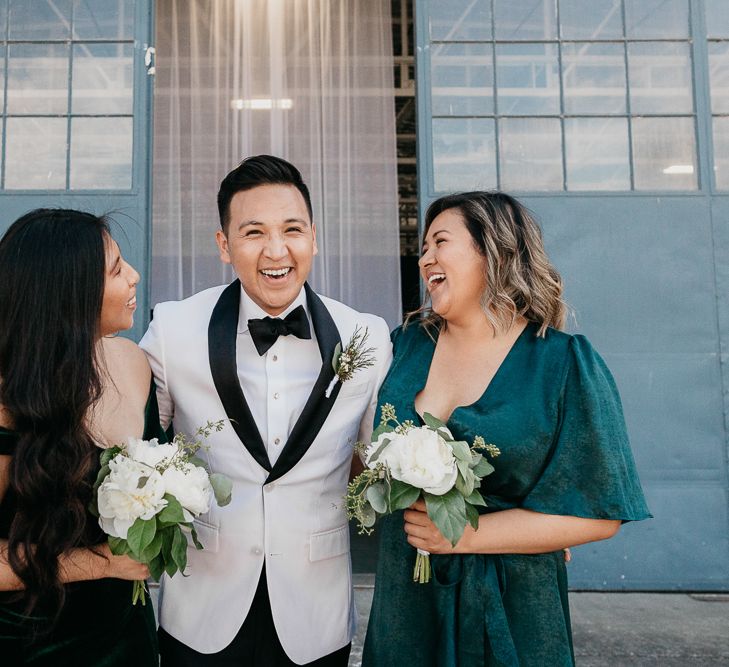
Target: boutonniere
(348,360)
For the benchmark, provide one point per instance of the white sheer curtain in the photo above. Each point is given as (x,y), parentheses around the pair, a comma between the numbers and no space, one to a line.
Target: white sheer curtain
(322,71)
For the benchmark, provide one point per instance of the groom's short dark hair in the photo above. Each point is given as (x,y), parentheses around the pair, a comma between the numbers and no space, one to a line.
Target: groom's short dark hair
(254,171)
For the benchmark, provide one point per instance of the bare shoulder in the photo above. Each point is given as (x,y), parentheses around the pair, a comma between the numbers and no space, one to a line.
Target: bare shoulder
(126,363)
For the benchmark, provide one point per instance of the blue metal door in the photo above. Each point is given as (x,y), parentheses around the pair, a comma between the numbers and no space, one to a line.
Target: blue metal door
(76,121)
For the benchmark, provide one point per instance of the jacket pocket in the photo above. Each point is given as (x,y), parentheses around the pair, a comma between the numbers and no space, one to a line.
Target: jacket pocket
(207,534)
(353,390)
(329,543)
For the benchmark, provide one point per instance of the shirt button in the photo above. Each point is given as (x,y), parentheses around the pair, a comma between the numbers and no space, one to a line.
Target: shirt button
(276,396)
(277,441)
(275,357)
(256,551)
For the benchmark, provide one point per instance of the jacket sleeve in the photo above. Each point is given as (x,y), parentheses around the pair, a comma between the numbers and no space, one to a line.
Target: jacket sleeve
(153,344)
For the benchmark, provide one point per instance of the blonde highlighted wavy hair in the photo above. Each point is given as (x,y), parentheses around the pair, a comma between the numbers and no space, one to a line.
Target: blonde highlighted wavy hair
(520,280)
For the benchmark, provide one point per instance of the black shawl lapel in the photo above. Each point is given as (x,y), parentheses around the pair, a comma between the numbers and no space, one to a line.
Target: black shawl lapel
(317,406)
(222,336)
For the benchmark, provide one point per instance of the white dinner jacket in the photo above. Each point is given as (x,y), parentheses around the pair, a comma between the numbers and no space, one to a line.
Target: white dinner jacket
(289,516)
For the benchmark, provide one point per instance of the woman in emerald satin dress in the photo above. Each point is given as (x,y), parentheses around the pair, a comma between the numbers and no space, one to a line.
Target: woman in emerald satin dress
(66,389)
(488,357)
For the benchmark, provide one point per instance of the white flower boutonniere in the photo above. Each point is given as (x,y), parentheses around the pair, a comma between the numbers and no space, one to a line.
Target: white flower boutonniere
(347,361)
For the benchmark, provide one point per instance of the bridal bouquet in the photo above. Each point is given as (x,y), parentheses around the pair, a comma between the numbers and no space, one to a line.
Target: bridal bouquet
(405,462)
(146,496)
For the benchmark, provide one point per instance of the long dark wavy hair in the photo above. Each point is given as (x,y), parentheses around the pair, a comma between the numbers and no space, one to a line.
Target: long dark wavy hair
(52,272)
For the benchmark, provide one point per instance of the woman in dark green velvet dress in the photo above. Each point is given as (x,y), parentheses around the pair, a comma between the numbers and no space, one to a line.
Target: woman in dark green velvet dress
(67,388)
(488,358)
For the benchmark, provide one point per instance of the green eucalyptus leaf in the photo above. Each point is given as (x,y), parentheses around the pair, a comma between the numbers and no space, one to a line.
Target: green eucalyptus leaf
(200,463)
(108,454)
(367,516)
(222,488)
(432,422)
(483,468)
(476,499)
(118,546)
(382,428)
(472,516)
(156,567)
(377,497)
(402,495)
(173,513)
(152,549)
(100,477)
(461,451)
(466,480)
(140,536)
(195,540)
(448,513)
(335,358)
(376,454)
(179,549)
(166,552)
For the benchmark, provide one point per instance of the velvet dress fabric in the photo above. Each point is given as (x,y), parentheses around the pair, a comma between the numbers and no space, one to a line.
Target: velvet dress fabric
(98,625)
(554,412)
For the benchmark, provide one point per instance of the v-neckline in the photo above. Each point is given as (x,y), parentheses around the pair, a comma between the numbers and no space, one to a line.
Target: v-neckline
(507,358)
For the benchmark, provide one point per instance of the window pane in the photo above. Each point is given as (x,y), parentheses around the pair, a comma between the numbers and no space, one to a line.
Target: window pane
(462,79)
(664,152)
(721,152)
(719,75)
(530,153)
(103,78)
(597,153)
(526,19)
(3,18)
(591,19)
(38,78)
(528,79)
(656,19)
(660,78)
(594,78)
(717,18)
(464,154)
(40,19)
(35,154)
(101,153)
(103,19)
(460,19)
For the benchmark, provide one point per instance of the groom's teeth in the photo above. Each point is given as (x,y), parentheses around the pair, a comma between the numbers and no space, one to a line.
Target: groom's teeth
(275,272)
(436,276)
(132,301)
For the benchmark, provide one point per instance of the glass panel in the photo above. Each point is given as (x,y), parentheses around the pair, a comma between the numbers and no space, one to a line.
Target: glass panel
(719,75)
(656,19)
(3,19)
(527,19)
(101,153)
(103,19)
(462,79)
(597,153)
(38,78)
(464,154)
(530,153)
(40,19)
(35,154)
(528,79)
(460,19)
(664,152)
(591,19)
(593,78)
(103,78)
(660,78)
(721,152)
(717,18)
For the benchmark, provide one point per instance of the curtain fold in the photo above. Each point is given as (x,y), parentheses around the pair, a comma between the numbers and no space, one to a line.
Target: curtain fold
(308,80)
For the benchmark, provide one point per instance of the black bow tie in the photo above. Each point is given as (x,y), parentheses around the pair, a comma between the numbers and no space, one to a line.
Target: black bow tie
(265,332)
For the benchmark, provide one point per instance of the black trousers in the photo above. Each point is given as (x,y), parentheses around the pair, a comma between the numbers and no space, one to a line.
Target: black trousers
(255,645)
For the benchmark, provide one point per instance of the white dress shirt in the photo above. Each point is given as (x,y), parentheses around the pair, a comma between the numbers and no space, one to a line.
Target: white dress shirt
(277,384)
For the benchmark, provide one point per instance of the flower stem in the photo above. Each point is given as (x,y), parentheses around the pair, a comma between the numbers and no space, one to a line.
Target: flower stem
(421,573)
(139,592)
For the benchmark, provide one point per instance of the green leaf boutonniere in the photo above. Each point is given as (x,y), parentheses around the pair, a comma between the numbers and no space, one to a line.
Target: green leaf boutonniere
(348,360)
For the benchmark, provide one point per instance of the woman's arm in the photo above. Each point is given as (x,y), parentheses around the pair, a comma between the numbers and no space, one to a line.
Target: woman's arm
(516,531)
(74,565)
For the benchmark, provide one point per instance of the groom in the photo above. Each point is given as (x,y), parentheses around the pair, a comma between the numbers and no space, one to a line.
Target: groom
(273,584)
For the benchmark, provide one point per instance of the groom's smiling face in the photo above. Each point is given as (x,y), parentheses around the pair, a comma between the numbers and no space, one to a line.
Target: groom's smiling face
(270,242)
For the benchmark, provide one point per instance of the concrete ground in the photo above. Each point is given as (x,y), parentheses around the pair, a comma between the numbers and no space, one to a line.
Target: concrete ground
(625,629)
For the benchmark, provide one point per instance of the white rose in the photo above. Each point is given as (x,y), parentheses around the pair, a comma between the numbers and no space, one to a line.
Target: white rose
(424,460)
(130,491)
(149,452)
(191,486)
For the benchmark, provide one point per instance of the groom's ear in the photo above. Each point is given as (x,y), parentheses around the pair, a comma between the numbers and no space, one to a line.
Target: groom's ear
(313,233)
(222,240)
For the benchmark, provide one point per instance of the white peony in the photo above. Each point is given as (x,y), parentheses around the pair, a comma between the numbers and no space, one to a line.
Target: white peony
(191,486)
(130,491)
(422,459)
(149,452)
